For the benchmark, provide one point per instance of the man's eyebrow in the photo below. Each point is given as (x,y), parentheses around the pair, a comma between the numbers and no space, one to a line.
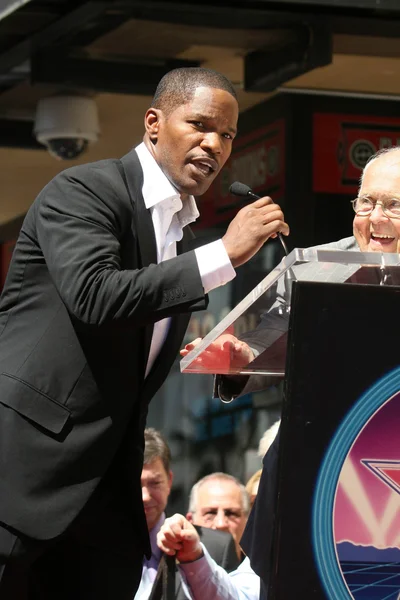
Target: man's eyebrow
(204,117)
(384,195)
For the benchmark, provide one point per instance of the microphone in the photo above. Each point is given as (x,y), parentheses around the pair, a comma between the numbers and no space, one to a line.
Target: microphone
(241,189)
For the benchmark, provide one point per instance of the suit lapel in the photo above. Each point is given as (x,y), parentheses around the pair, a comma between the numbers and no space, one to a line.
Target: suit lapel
(144,229)
(143,225)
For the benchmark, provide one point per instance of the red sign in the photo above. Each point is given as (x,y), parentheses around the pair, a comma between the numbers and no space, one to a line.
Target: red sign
(342,144)
(257,160)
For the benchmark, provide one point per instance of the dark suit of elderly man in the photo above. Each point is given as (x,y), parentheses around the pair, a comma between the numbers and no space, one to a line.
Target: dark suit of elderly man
(99,291)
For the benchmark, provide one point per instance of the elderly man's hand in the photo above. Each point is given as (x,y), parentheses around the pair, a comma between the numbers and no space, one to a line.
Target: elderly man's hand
(225,353)
(178,536)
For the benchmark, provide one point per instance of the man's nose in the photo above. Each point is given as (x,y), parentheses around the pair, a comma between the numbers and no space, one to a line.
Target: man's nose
(145,494)
(212,142)
(221,521)
(377,214)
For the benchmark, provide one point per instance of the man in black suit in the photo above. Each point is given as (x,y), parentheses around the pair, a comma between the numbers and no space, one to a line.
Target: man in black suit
(156,483)
(97,298)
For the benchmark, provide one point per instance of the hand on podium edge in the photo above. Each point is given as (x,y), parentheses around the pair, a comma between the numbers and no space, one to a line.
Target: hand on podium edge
(178,537)
(224,353)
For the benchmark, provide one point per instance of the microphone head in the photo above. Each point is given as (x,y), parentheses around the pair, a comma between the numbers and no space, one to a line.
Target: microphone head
(239,189)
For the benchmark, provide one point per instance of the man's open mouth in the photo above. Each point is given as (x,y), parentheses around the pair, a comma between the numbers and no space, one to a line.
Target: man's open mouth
(206,166)
(382,238)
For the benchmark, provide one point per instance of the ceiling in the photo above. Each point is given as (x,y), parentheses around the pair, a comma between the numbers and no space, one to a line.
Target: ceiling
(117,51)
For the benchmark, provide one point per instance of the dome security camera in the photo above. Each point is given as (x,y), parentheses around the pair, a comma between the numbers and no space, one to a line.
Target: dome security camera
(66,125)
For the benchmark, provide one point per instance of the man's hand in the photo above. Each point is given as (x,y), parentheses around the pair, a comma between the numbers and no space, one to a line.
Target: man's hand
(226,352)
(253,225)
(178,536)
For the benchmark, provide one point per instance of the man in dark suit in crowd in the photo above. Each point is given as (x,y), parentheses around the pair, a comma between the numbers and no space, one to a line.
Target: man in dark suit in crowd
(156,487)
(97,298)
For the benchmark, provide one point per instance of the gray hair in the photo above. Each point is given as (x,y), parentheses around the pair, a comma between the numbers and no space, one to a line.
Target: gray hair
(375,157)
(218,476)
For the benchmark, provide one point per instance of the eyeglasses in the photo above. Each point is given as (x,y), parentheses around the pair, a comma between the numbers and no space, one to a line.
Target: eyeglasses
(364,206)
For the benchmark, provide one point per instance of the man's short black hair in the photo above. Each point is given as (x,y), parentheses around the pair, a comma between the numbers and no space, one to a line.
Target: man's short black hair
(178,86)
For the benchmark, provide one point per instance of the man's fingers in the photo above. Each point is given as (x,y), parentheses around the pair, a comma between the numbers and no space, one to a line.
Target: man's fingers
(270,208)
(168,543)
(276,226)
(167,548)
(169,538)
(269,213)
(189,535)
(264,201)
(190,346)
(193,344)
(228,345)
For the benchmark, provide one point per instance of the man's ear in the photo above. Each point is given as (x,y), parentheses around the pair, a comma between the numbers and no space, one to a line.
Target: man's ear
(189,516)
(152,120)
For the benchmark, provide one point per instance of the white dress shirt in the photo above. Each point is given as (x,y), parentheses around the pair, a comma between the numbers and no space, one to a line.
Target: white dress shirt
(170,215)
(205,579)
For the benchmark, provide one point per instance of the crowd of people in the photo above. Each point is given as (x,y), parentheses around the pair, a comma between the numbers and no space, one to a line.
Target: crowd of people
(206,540)
(102,282)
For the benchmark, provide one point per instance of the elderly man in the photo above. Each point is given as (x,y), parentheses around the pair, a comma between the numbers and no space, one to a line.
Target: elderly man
(221,502)
(98,295)
(156,481)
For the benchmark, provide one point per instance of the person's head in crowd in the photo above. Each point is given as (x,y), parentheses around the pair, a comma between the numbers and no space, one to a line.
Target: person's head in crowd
(156,479)
(376,225)
(220,501)
(267,438)
(191,125)
(252,486)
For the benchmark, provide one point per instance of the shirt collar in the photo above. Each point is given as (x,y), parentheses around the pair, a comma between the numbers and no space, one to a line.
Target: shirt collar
(157,188)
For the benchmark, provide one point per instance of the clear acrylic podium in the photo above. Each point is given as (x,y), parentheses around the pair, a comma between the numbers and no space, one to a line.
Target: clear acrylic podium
(261,318)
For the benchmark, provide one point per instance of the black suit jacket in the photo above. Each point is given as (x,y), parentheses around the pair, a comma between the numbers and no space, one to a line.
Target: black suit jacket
(221,547)
(76,320)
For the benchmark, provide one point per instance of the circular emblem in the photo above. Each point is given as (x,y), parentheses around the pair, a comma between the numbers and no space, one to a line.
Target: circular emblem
(356,508)
(359,153)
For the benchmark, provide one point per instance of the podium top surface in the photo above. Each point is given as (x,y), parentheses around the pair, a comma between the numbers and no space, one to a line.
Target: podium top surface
(260,320)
